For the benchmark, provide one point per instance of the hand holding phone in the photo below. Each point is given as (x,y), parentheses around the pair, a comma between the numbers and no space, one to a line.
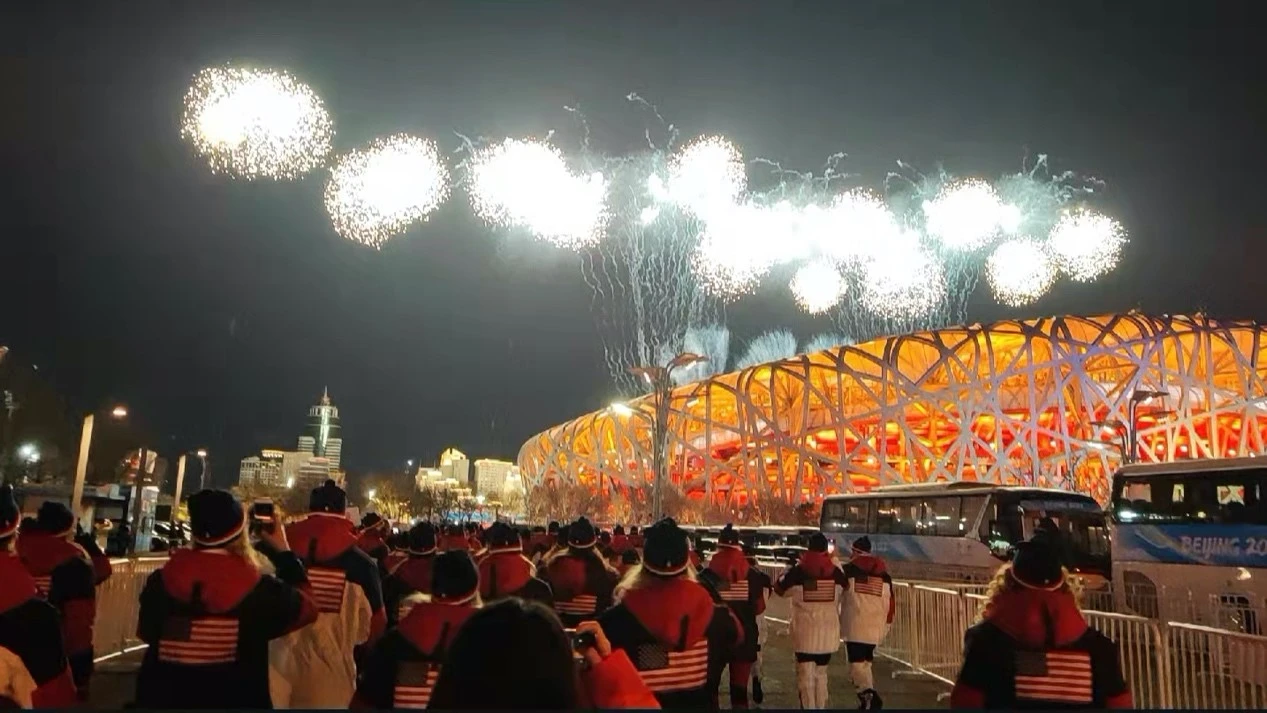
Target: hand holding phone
(263,516)
(589,641)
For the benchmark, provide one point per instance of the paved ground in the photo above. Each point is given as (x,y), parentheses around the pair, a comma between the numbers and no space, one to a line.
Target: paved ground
(115,682)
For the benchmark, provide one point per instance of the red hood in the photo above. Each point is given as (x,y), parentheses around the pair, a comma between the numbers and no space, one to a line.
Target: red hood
(19,586)
(567,576)
(729,563)
(370,540)
(42,553)
(816,564)
(620,543)
(427,623)
(870,564)
(448,543)
(331,534)
(416,572)
(1037,618)
(508,569)
(223,579)
(667,606)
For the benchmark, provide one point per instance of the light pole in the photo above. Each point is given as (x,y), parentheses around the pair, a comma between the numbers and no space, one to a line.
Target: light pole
(81,465)
(180,478)
(1129,432)
(659,378)
(1119,429)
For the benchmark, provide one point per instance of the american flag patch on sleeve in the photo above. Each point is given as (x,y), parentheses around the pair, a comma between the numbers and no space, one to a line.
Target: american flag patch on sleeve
(579,605)
(664,671)
(733,591)
(1057,676)
(871,586)
(43,584)
(199,641)
(818,590)
(328,585)
(414,681)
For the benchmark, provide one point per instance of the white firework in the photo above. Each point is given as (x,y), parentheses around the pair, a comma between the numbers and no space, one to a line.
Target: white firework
(528,185)
(254,123)
(901,279)
(1086,244)
(705,176)
(852,225)
(818,287)
(738,247)
(967,215)
(378,191)
(1019,272)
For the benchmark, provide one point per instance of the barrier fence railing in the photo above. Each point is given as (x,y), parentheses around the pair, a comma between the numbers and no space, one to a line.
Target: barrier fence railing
(119,605)
(1166,664)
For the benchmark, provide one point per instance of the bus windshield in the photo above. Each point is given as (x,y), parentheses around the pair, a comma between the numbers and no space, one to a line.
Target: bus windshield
(1082,524)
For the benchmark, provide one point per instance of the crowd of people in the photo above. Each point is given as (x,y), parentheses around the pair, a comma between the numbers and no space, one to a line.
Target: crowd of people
(319,613)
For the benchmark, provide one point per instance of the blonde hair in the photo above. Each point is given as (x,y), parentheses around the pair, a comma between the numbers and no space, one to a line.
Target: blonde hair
(1004,582)
(638,578)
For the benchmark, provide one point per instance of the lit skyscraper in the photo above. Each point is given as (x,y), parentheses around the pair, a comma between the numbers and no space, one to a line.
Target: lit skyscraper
(323,434)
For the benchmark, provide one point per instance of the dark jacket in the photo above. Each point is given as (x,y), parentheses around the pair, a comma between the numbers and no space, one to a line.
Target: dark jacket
(582,584)
(208,617)
(677,637)
(1035,651)
(402,668)
(29,627)
(411,576)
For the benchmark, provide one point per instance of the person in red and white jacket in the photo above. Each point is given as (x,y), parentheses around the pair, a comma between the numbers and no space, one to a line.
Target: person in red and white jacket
(866,613)
(29,625)
(1033,649)
(65,574)
(413,574)
(372,539)
(579,577)
(742,588)
(814,585)
(320,664)
(505,572)
(209,614)
(401,669)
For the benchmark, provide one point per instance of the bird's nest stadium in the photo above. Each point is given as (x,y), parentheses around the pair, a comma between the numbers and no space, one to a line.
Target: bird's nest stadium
(1055,402)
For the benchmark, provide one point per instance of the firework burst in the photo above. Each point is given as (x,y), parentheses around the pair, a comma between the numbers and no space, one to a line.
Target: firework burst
(253,124)
(706,176)
(818,287)
(528,185)
(1086,244)
(1019,272)
(377,192)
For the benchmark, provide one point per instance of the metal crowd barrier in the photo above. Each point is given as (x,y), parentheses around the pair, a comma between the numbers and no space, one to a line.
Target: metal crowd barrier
(119,605)
(1166,664)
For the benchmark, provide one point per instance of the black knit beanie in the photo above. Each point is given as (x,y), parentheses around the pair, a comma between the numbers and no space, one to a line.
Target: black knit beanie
(422,538)
(328,498)
(728,536)
(862,544)
(55,518)
(1036,564)
(454,578)
(581,534)
(216,518)
(665,551)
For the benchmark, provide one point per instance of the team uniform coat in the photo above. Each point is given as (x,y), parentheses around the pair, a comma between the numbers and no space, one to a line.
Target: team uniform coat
(208,617)
(31,631)
(741,587)
(403,666)
(867,604)
(814,585)
(505,572)
(411,576)
(678,639)
(372,543)
(1035,651)
(581,585)
(65,575)
(318,661)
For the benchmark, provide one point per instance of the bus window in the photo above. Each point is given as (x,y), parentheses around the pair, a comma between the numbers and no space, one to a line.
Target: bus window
(885,516)
(941,516)
(853,515)
(906,516)
(969,511)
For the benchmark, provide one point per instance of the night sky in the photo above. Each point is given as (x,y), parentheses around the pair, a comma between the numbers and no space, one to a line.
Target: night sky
(218,310)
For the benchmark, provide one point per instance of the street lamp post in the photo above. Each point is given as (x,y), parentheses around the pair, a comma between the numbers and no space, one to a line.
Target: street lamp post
(180,478)
(1128,433)
(659,378)
(81,465)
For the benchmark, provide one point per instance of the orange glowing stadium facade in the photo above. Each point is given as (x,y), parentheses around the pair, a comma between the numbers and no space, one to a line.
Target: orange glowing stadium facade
(1051,401)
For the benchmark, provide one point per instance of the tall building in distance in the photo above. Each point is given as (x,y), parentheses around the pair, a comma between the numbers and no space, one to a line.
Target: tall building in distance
(265,469)
(323,433)
(491,475)
(454,465)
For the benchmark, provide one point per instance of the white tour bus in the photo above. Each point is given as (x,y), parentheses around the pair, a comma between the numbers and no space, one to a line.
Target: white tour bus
(1190,542)
(962,532)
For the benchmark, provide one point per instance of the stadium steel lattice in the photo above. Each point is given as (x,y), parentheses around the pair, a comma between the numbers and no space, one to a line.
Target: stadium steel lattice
(1044,401)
